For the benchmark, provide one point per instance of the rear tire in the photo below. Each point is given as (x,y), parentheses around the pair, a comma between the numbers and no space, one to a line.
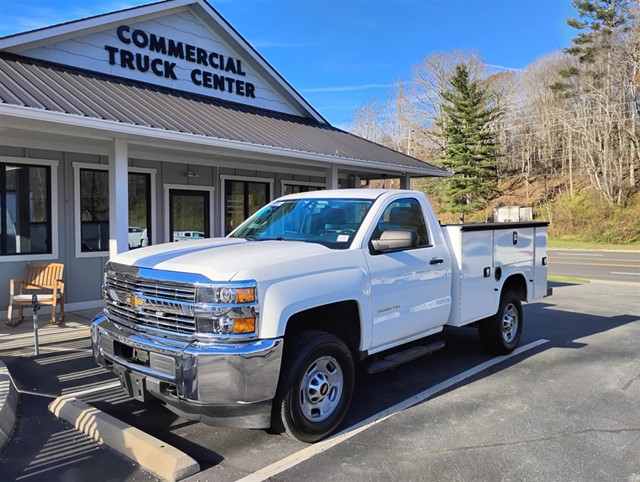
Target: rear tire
(315,388)
(500,333)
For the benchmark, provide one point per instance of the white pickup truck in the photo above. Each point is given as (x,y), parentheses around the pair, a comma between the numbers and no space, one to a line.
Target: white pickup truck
(263,328)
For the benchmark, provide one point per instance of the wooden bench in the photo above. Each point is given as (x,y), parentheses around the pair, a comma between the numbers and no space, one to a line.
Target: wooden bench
(43,280)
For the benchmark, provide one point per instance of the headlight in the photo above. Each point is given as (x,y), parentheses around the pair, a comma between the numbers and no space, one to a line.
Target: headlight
(227,310)
(226,295)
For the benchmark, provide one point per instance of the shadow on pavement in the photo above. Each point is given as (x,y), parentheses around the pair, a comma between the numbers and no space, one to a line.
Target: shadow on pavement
(66,371)
(375,393)
(43,447)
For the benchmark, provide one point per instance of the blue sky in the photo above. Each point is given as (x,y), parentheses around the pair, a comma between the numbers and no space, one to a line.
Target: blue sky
(339,54)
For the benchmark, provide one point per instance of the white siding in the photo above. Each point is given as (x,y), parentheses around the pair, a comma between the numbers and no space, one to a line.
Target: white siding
(88,52)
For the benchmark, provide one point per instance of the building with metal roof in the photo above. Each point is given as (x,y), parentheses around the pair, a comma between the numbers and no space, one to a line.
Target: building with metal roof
(139,126)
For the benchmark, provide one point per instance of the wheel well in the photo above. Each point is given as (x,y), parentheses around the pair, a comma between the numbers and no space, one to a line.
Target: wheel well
(518,284)
(341,319)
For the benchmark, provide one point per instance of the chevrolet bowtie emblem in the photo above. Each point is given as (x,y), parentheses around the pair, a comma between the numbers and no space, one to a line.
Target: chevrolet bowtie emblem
(135,300)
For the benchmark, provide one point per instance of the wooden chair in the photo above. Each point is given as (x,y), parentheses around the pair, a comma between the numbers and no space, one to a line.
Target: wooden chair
(43,280)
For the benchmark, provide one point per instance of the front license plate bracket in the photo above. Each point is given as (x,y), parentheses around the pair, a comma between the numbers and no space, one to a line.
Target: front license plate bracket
(133,384)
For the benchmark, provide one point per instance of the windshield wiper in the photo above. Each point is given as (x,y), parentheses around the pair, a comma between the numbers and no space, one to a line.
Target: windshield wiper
(279,238)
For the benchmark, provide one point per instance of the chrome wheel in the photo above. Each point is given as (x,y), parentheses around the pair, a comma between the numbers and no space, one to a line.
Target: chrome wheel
(500,333)
(315,386)
(510,323)
(321,389)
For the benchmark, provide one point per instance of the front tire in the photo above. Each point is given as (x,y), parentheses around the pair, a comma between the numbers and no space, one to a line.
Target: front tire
(500,333)
(315,388)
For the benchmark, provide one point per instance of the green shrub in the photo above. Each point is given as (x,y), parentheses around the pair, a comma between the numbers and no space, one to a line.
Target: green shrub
(586,217)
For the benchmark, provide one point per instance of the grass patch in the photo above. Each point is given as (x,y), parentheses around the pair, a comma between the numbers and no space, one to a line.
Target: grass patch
(586,219)
(578,244)
(566,279)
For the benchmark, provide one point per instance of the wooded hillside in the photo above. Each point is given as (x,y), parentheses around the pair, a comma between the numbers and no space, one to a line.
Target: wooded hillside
(563,133)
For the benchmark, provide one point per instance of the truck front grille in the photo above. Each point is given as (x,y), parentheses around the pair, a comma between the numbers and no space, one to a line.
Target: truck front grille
(150,304)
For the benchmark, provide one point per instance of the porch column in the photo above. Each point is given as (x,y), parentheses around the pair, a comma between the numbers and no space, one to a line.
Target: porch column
(405,182)
(332,177)
(118,197)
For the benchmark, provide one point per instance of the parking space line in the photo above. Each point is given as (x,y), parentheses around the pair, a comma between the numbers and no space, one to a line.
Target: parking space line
(97,388)
(313,450)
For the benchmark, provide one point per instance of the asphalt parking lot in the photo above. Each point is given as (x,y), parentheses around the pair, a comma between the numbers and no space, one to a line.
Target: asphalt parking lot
(565,408)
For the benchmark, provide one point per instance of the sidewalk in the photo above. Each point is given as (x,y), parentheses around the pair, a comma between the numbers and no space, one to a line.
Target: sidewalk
(72,336)
(43,444)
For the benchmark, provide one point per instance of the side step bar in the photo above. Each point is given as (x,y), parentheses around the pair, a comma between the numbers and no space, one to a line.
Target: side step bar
(404,356)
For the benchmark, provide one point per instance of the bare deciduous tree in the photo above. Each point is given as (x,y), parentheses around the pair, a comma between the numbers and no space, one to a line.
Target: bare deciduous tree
(572,115)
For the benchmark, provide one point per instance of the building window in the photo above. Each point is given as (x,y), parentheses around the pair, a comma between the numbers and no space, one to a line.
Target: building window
(25,209)
(94,210)
(297,188)
(242,198)
(189,214)
(139,210)
(93,195)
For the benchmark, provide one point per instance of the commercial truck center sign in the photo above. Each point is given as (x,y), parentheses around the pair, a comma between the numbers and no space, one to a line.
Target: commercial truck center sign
(212,70)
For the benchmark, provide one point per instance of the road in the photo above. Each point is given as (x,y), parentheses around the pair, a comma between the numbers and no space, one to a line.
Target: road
(595,265)
(564,408)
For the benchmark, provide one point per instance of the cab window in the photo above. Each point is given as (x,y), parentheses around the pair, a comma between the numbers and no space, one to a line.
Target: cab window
(403,215)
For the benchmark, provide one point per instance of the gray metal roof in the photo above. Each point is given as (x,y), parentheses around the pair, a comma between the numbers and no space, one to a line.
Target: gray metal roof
(35,84)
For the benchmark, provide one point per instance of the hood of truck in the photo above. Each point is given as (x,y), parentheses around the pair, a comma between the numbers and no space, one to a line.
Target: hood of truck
(220,259)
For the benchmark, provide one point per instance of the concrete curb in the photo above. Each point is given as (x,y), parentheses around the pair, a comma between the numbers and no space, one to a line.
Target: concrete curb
(152,454)
(8,405)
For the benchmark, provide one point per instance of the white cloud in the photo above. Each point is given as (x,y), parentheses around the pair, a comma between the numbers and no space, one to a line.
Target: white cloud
(267,44)
(345,88)
(502,67)
(25,17)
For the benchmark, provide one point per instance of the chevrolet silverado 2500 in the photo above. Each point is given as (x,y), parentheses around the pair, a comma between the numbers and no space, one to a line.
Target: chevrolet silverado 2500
(263,328)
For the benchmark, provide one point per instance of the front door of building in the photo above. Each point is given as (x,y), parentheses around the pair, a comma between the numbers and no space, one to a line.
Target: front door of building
(189,214)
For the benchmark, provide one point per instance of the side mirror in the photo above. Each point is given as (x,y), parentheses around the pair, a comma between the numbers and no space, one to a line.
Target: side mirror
(392,240)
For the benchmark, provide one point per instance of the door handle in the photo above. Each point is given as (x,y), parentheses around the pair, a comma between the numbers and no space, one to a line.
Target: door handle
(436,261)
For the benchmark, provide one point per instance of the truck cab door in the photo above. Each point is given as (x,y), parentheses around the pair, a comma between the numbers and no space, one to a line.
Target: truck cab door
(410,286)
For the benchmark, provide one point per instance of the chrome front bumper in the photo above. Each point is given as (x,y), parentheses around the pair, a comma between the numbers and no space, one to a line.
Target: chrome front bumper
(222,384)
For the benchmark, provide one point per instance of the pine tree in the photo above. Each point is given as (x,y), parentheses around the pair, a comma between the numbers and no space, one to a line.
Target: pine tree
(597,25)
(471,147)
(599,20)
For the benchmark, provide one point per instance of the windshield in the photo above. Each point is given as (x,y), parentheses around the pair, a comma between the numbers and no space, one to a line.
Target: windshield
(330,222)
